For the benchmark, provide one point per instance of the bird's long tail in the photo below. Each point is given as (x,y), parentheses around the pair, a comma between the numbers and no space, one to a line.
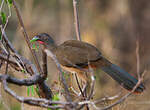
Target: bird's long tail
(122,77)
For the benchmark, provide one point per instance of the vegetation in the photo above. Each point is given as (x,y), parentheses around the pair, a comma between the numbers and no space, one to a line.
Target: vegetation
(120,29)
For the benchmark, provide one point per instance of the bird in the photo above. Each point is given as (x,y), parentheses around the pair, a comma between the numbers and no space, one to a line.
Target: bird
(77,56)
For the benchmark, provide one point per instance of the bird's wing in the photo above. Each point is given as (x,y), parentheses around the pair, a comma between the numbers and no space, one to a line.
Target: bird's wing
(76,53)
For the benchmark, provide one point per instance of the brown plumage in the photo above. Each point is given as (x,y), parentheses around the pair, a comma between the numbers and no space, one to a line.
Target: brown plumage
(77,56)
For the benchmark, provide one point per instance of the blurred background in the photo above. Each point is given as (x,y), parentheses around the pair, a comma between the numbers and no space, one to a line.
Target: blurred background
(111,25)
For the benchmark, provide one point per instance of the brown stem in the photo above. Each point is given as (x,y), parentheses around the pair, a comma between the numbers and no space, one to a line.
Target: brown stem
(26,36)
(44,63)
(137,57)
(79,85)
(76,18)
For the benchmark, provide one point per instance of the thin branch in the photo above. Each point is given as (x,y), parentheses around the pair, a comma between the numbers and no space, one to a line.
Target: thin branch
(137,57)
(44,63)
(117,102)
(22,82)
(6,70)
(44,89)
(67,93)
(76,18)
(91,72)
(11,47)
(2,2)
(26,36)
(110,98)
(34,101)
(140,79)
(79,85)
(7,19)
(11,61)
(36,79)
(43,86)
(8,42)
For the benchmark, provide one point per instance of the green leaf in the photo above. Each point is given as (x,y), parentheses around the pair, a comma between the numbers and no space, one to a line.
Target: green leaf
(10,2)
(32,90)
(35,47)
(23,71)
(95,77)
(56,97)
(28,91)
(66,76)
(37,90)
(3,17)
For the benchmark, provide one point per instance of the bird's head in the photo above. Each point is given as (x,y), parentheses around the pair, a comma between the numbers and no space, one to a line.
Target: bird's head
(44,39)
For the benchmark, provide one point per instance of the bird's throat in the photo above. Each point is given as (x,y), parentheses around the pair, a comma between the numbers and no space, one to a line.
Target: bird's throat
(41,42)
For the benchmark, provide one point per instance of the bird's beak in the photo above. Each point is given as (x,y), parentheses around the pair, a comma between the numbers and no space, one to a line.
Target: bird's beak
(35,38)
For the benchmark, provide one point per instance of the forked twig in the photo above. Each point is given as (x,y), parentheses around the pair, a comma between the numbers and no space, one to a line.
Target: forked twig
(79,85)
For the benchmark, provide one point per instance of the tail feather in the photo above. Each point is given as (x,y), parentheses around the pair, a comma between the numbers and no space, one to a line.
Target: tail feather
(123,78)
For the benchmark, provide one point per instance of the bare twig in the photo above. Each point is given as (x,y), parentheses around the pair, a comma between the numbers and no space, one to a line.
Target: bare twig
(26,36)
(6,70)
(67,94)
(1,6)
(22,82)
(11,61)
(8,42)
(34,101)
(44,63)
(110,98)
(91,72)
(11,47)
(79,85)
(76,18)
(117,102)
(44,89)
(137,57)
(7,19)
(42,86)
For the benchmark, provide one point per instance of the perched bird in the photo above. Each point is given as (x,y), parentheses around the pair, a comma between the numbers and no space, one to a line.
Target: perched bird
(76,56)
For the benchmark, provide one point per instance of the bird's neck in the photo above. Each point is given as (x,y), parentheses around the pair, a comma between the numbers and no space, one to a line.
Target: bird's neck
(51,47)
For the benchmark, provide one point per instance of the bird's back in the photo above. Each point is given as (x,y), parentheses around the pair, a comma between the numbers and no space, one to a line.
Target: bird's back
(79,53)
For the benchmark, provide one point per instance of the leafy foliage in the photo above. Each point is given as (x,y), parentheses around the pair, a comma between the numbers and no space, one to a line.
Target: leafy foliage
(9,2)
(3,17)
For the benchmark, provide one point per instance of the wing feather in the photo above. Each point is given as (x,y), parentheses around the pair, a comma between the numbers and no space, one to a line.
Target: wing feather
(73,52)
